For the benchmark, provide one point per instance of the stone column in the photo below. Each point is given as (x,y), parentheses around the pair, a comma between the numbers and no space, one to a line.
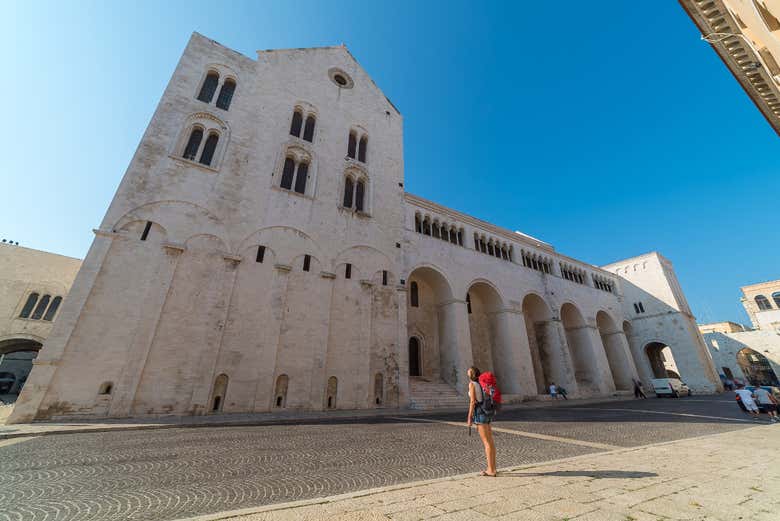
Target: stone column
(34,392)
(148,320)
(455,343)
(319,353)
(512,356)
(598,367)
(557,362)
(621,363)
(401,378)
(266,369)
(204,383)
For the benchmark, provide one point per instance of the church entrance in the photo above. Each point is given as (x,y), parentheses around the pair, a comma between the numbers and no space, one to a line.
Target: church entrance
(414,357)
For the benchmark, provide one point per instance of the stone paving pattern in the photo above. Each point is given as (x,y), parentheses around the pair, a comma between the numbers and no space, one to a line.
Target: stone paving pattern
(174,473)
(706,479)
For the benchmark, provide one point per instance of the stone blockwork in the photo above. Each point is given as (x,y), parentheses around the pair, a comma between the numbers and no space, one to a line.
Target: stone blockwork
(269,260)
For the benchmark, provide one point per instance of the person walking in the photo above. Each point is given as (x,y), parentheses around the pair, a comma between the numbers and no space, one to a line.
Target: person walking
(478,417)
(562,392)
(767,402)
(638,390)
(553,391)
(747,400)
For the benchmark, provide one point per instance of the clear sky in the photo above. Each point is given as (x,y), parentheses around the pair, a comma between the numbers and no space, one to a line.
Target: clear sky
(605,128)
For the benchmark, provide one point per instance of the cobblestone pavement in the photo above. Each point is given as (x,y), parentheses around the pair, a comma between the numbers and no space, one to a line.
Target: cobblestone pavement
(174,473)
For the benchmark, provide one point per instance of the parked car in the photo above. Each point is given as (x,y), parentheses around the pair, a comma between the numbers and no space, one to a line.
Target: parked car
(673,387)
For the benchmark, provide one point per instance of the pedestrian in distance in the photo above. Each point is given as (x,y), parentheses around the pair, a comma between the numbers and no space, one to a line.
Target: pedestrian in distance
(767,402)
(639,392)
(562,392)
(747,400)
(481,418)
(553,391)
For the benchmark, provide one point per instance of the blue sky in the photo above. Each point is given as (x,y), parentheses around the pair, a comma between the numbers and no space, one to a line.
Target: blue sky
(607,129)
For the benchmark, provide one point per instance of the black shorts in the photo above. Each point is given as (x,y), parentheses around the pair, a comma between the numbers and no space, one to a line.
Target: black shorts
(767,407)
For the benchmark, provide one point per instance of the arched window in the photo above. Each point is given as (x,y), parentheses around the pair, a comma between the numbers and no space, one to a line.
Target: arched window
(436,230)
(776,298)
(208,149)
(55,304)
(417,223)
(288,173)
(308,129)
(445,232)
(29,305)
(426,226)
(41,307)
(280,391)
(332,392)
(360,192)
(414,294)
(348,189)
(226,94)
(193,144)
(297,123)
(300,177)
(352,145)
(763,303)
(453,236)
(363,149)
(209,87)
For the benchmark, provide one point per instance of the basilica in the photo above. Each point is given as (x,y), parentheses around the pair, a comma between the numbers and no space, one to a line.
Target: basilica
(261,253)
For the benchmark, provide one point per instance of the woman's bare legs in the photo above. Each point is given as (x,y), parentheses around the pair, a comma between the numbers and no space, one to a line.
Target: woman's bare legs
(486,433)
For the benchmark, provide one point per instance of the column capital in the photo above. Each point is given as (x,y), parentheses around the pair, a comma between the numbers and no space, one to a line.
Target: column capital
(450,301)
(327,275)
(104,233)
(284,268)
(174,246)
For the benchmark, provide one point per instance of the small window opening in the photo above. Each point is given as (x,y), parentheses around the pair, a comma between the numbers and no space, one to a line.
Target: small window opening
(308,129)
(348,271)
(341,80)
(352,145)
(278,401)
(306,262)
(415,295)
(363,149)
(384,277)
(296,124)
(360,190)
(147,228)
(260,254)
(29,305)
(468,303)
(106,388)
(217,399)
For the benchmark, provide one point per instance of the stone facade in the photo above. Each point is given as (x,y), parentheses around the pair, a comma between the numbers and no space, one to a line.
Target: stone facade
(32,287)
(762,303)
(746,36)
(273,263)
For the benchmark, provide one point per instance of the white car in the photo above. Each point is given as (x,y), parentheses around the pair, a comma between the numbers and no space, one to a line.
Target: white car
(670,387)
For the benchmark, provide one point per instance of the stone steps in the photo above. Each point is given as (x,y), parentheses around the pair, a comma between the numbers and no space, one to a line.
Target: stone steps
(427,395)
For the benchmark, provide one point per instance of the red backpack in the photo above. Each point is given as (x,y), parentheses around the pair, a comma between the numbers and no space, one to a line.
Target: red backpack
(491,396)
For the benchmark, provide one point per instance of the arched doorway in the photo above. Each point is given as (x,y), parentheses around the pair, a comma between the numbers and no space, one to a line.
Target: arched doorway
(431,315)
(661,360)
(482,303)
(617,355)
(586,370)
(756,367)
(415,360)
(16,361)
(537,317)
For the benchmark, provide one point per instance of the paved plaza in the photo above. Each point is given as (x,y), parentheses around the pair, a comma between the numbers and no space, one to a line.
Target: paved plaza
(187,472)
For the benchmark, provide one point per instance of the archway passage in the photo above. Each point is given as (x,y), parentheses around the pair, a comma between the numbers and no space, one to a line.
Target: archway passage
(16,360)
(661,360)
(537,317)
(432,319)
(586,371)
(414,357)
(483,304)
(756,367)
(616,350)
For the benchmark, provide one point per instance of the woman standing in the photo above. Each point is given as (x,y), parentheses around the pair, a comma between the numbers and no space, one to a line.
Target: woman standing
(482,421)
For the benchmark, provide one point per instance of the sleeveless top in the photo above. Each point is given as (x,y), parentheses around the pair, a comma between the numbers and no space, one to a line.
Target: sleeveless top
(477,391)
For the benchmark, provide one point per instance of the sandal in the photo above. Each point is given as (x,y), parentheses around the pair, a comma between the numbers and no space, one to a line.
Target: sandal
(485,473)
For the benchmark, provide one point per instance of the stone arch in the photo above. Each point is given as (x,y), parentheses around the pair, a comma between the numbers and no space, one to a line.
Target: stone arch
(485,302)
(538,315)
(586,370)
(149,231)
(757,368)
(287,243)
(280,391)
(661,358)
(16,361)
(435,321)
(616,349)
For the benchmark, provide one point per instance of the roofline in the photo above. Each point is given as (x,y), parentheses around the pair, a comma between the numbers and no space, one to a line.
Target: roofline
(41,251)
(636,257)
(773,120)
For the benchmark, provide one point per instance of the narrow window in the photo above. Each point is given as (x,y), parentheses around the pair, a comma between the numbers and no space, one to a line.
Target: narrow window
(297,122)
(415,295)
(55,304)
(348,271)
(332,391)
(260,254)
(208,149)
(490,248)
(436,230)
(468,303)
(41,307)
(378,389)
(384,277)
(641,307)
(282,382)
(417,223)
(209,87)
(308,129)
(287,173)
(460,237)
(763,303)
(147,228)
(453,236)
(426,226)
(351,145)
(363,149)
(360,191)
(476,242)
(29,305)
(636,308)
(226,94)
(445,233)
(348,190)
(306,262)
(484,245)
(193,144)
(300,178)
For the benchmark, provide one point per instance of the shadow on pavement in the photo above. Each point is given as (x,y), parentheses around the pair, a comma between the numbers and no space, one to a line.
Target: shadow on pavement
(598,474)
